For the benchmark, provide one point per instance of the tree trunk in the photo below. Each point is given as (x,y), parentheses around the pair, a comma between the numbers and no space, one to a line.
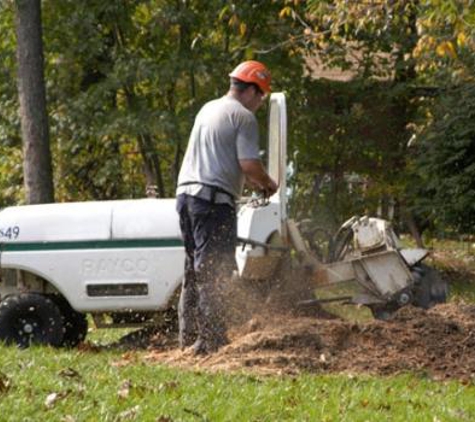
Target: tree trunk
(155,185)
(411,224)
(152,170)
(37,166)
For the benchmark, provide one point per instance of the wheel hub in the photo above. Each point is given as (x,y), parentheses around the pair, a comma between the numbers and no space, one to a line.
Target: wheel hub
(27,325)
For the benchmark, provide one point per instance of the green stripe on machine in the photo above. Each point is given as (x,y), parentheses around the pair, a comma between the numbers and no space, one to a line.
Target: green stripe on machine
(91,244)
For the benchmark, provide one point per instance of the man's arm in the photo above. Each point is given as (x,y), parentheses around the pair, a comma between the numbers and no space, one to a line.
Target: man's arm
(257,176)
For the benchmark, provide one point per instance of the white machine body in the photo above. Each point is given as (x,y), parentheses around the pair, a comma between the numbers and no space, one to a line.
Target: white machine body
(266,222)
(104,256)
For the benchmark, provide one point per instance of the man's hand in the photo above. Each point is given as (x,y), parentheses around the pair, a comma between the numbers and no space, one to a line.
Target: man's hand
(270,189)
(258,177)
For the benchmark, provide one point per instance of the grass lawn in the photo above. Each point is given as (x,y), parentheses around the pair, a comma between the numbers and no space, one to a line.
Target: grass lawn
(44,384)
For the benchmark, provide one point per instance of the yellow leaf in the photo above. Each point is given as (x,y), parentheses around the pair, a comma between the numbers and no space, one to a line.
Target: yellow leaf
(461,39)
(446,48)
(286,11)
(440,50)
(451,50)
(417,51)
(233,21)
(242,29)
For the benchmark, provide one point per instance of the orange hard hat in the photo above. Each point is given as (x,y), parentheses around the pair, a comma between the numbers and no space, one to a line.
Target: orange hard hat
(254,72)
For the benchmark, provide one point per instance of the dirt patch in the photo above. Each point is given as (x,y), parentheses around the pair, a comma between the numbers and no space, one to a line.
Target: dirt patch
(439,343)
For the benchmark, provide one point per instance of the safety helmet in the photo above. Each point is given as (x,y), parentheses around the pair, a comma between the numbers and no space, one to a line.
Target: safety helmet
(252,71)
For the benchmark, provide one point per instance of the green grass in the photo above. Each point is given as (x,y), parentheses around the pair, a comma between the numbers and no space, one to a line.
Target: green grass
(108,386)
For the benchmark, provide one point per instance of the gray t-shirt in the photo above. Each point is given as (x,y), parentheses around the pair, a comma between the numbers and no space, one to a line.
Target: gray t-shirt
(224,133)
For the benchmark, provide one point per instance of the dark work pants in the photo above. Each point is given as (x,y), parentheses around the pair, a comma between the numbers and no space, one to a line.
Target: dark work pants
(209,234)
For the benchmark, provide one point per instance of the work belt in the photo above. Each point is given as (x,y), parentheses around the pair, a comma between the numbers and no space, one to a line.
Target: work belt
(212,188)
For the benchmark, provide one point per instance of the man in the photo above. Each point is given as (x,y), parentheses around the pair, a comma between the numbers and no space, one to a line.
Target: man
(223,152)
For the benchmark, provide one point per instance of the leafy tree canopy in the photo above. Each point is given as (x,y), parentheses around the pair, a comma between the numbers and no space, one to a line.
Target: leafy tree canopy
(126,78)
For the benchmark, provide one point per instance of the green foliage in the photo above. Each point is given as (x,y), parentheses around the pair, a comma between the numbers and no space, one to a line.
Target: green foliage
(125,80)
(351,146)
(443,192)
(342,152)
(446,40)
(408,43)
(446,161)
(11,189)
(371,38)
(11,170)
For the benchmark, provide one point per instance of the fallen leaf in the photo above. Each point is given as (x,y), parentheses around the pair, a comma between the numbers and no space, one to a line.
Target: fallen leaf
(51,399)
(5,383)
(120,363)
(126,359)
(194,413)
(124,389)
(171,385)
(69,373)
(87,346)
(129,413)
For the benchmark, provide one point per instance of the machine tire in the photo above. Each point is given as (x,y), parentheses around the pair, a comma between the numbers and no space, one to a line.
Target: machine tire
(30,318)
(430,288)
(319,241)
(74,323)
(340,245)
(383,312)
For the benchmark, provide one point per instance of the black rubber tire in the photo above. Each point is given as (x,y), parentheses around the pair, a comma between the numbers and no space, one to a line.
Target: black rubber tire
(319,241)
(430,288)
(74,323)
(30,318)
(340,244)
(383,312)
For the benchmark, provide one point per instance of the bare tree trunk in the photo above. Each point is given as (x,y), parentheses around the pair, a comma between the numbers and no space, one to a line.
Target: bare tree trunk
(152,169)
(411,224)
(37,166)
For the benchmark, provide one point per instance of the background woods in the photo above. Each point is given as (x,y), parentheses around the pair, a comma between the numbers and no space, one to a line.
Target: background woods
(380,94)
